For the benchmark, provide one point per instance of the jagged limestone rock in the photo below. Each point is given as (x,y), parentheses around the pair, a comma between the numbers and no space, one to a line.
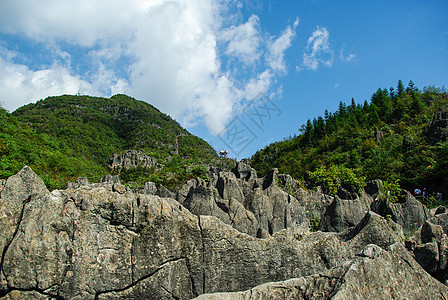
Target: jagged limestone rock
(409,213)
(373,274)
(131,159)
(436,130)
(99,242)
(341,215)
(244,171)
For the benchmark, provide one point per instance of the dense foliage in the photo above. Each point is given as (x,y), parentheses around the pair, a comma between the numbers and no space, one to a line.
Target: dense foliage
(65,137)
(381,139)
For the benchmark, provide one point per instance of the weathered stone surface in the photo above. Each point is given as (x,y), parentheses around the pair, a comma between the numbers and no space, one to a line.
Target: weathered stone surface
(431,233)
(110,179)
(149,188)
(409,213)
(436,130)
(342,214)
(430,246)
(374,274)
(427,256)
(131,159)
(442,220)
(244,171)
(101,242)
(315,202)
(245,205)
(17,191)
(228,186)
(80,181)
(164,192)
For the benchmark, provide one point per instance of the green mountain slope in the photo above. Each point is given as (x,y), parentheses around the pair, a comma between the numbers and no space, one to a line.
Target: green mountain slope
(381,139)
(67,136)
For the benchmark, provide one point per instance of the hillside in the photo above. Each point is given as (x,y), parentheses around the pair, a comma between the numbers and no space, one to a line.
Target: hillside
(399,136)
(66,137)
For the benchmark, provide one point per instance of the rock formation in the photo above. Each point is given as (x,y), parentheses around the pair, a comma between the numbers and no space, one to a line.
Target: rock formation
(105,241)
(131,159)
(436,130)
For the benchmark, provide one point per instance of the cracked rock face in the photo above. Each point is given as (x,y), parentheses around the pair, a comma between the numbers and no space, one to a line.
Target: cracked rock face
(103,241)
(374,273)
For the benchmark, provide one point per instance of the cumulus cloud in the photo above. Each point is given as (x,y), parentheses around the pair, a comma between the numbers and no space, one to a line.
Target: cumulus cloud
(277,47)
(19,84)
(163,52)
(318,50)
(243,40)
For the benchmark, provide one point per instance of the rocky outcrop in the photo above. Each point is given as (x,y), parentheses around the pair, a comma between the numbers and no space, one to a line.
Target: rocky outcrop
(258,207)
(436,131)
(103,241)
(343,214)
(244,171)
(358,278)
(429,245)
(131,159)
(408,212)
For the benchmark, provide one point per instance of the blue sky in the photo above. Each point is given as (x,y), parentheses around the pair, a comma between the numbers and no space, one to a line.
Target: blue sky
(240,74)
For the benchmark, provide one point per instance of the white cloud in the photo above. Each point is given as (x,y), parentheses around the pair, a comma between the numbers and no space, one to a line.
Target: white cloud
(347,58)
(277,48)
(256,86)
(318,50)
(18,84)
(164,52)
(243,40)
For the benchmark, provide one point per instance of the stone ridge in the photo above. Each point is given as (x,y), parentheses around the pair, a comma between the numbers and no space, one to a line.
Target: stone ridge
(105,241)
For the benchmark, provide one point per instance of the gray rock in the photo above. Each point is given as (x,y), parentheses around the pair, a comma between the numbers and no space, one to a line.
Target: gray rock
(342,214)
(244,171)
(96,243)
(110,179)
(183,192)
(441,220)
(394,271)
(17,192)
(80,181)
(315,202)
(427,256)
(439,210)
(436,130)
(131,159)
(149,188)
(409,213)
(228,186)
(164,192)
(431,233)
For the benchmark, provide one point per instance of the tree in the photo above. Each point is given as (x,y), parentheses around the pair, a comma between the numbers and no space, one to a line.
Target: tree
(400,89)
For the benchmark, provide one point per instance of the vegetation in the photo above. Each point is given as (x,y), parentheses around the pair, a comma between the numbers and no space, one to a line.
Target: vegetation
(381,139)
(390,191)
(65,137)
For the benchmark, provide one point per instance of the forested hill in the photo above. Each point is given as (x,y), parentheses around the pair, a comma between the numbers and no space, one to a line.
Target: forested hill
(399,136)
(66,137)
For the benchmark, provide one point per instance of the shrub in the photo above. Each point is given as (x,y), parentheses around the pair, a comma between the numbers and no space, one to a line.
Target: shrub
(335,177)
(391,191)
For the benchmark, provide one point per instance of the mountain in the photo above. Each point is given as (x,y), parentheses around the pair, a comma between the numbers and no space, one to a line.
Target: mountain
(66,137)
(399,137)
